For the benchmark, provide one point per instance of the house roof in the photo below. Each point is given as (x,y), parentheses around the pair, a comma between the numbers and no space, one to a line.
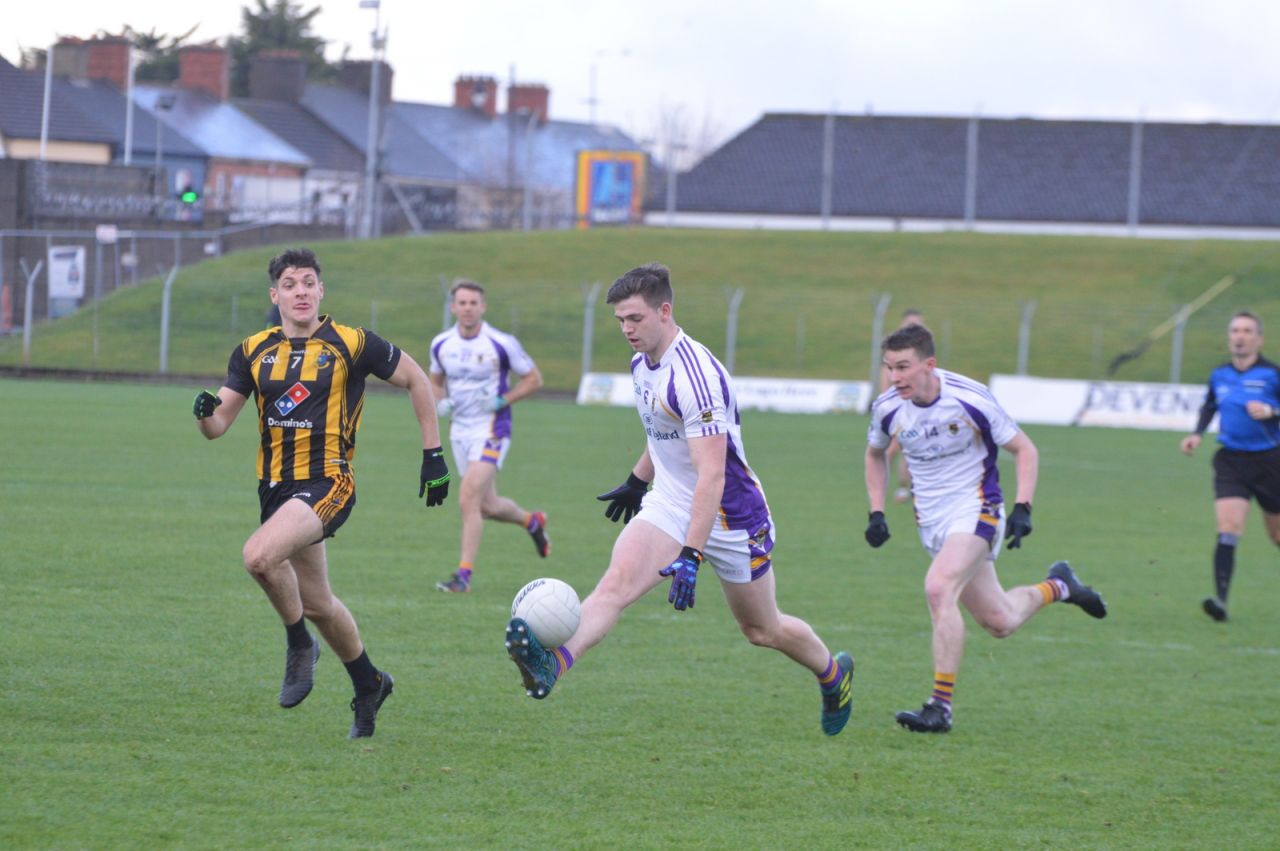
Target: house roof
(1027,170)
(407,154)
(308,134)
(220,128)
(492,151)
(79,111)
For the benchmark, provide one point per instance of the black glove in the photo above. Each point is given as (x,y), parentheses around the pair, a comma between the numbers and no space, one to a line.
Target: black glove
(877,529)
(204,404)
(1019,525)
(434,479)
(624,500)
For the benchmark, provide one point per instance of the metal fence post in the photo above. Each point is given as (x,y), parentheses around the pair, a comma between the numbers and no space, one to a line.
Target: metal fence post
(31,275)
(448,299)
(731,331)
(589,295)
(1175,357)
(165,301)
(877,334)
(1024,335)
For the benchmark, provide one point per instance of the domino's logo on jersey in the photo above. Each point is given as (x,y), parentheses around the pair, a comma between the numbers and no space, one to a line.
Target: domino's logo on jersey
(293,397)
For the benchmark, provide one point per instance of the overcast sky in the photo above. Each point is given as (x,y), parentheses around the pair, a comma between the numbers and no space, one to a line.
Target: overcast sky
(723,64)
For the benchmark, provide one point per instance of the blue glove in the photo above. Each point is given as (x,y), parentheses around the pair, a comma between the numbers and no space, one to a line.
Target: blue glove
(497,403)
(684,578)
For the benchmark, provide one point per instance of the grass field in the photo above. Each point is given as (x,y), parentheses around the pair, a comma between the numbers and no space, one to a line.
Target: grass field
(142,664)
(807,309)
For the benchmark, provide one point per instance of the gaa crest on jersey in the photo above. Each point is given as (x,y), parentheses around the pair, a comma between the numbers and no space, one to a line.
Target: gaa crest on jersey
(293,397)
(324,359)
(953,428)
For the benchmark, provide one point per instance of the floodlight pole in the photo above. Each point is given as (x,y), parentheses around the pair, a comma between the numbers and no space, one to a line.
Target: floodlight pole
(371,136)
(44,110)
(128,113)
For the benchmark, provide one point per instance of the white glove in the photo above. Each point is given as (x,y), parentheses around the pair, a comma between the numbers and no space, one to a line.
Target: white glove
(444,407)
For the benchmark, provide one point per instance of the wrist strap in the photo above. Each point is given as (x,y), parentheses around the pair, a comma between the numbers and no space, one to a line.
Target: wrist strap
(634,481)
(692,553)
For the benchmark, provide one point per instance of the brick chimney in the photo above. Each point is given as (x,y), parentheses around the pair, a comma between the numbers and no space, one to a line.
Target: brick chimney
(529,97)
(479,94)
(71,58)
(108,59)
(206,68)
(357,75)
(278,75)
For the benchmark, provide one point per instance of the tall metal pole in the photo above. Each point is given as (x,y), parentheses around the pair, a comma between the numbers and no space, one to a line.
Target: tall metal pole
(128,113)
(971,174)
(731,331)
(828,166)
(44,110)
(165,302)
(1135,176)
(1024,336)
(371,136)
(527,209)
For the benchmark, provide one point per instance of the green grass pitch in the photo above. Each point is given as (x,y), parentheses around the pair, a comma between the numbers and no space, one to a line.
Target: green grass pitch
(141,664)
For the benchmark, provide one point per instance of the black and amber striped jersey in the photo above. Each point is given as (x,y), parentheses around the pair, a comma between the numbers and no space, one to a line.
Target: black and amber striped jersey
(310,394)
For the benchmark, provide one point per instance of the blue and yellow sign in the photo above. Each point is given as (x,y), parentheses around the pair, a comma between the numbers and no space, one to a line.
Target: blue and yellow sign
(610,188)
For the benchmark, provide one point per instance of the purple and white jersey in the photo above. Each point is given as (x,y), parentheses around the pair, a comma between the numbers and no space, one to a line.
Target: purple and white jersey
(476,370)
(689,395)
(950,445)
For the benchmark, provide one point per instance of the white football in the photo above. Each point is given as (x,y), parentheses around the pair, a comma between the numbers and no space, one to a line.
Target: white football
(551,608)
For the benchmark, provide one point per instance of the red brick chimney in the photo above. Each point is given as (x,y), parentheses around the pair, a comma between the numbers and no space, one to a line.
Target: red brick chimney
(108,59)
(206,68)
(529,97)
(479,94)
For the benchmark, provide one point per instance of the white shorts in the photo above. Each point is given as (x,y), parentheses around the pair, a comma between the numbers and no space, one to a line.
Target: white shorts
(489,450)
(972,517)
(737,556)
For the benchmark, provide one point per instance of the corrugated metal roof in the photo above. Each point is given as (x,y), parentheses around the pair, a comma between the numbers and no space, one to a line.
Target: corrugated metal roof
(1027,170)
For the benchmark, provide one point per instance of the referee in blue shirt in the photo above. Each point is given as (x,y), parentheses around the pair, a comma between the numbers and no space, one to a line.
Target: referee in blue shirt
(1245,393)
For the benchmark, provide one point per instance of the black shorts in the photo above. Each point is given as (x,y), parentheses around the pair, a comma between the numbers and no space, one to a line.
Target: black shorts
(1248,474)
(331,499)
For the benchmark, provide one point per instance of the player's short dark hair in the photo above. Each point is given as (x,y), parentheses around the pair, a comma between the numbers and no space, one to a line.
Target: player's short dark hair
(1247,314)
(652,282)
(298,258)
(465,284)
(915,337)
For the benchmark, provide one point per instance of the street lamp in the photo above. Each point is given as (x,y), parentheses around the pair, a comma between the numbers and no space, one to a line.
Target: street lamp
(592,100)
(379,43)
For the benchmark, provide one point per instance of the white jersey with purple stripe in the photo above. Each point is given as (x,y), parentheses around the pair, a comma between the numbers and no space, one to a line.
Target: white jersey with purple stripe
(477,369)
(950,445)
(685,396)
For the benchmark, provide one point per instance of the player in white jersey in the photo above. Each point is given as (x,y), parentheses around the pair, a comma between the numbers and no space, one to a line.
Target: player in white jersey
(474,362)
(951,429)
(706,504)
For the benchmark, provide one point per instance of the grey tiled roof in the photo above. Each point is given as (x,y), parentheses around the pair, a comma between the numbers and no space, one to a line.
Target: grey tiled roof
(91,111)
(324,147)
(220,128)
(487,150)
(408,154)
(1028,170)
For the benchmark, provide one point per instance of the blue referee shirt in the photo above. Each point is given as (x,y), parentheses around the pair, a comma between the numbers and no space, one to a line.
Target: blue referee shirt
(1229,391)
